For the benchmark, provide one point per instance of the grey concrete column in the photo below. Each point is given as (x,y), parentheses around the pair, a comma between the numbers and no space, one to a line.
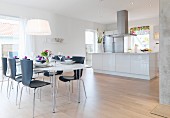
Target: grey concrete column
(165,51)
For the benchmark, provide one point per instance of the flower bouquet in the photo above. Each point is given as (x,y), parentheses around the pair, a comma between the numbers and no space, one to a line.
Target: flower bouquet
(46,54)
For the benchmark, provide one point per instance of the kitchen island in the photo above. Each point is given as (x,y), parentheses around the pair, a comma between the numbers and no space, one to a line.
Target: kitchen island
(135,65)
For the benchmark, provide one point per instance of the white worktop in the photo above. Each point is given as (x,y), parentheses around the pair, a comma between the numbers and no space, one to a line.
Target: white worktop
(126,53)
(136,65)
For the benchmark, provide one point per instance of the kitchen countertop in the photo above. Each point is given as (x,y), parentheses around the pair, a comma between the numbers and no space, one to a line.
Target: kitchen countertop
(141,53)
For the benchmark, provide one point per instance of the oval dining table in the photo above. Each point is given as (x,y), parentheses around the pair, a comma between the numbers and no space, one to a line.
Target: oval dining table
(61,67)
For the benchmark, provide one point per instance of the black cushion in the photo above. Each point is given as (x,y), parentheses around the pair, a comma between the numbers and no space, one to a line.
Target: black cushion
(66,78)
(18,79)
(48,74)
(18,74)
(38,71)
(38,83)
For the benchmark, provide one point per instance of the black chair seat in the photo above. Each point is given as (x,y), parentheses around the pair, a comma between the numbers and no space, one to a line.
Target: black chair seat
(49,74)
(66,78)
(18,74)
(38,71)
(18,79)
(37,83)
(7,76)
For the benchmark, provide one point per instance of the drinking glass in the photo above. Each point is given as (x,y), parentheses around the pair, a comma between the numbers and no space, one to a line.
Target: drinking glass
(60,55)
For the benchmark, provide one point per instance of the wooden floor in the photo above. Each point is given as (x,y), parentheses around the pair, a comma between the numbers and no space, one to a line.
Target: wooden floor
(108,97)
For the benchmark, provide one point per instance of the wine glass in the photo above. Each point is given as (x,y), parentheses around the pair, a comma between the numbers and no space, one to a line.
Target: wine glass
(60,55)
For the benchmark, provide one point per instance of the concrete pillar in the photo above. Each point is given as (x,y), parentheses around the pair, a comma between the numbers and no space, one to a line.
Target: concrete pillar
(164,51)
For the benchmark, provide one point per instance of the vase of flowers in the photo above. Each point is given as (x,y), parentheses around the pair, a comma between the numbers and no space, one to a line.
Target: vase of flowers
(46,54)
(100,37)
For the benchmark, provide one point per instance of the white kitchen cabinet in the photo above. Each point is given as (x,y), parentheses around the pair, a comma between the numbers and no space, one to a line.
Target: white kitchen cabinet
(97,61)
(134,65)
(140,64)
(108,62)
(123,63)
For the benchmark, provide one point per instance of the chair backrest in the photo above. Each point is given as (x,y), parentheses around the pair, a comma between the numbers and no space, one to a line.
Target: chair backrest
(80,60)
(4,65)
(12,66)
(57,58)
(27,71)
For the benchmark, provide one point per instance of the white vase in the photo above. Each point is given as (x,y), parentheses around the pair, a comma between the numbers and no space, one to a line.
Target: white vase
(99,48)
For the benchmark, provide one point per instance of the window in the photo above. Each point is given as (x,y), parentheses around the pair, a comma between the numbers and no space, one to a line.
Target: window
(9,35)
(142,38)
(90,39)
(90,42)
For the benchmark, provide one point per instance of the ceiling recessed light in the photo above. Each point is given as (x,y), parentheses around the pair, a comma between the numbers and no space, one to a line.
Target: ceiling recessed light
(150,1)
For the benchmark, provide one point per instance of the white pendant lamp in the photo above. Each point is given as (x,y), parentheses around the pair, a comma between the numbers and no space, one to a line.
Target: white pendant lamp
(38,27)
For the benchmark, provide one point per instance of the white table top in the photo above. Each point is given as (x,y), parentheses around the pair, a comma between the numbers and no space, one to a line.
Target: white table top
(62,67)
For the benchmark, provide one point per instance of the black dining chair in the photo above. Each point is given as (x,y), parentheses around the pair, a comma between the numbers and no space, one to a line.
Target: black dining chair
(4,72)
(56,57)
(13,75)
(77,74)
(50,74)
(78,59)
(28,81)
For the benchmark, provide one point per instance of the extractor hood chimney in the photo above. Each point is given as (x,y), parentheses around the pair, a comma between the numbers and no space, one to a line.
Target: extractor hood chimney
(122,24)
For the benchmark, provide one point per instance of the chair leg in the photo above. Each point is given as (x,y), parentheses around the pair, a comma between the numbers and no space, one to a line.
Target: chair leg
(10,90)
(51,80)
(69,90)
(40,94)
(7,87)
(34,102)
(84,88)
(78,86)
(20,97)
(57,86)
(2,82)
(72,86)
(12,84)
(66,87)
(17,93)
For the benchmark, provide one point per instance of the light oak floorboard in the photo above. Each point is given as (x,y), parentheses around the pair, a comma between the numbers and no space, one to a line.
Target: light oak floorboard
(108,97)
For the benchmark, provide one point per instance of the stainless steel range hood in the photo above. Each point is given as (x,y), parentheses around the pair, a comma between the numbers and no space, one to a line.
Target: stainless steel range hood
(122,24)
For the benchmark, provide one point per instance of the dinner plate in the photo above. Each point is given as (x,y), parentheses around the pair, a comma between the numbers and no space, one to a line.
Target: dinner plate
(68,63)
(39,64)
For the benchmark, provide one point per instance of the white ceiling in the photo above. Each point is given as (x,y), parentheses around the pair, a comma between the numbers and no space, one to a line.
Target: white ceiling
(101,11)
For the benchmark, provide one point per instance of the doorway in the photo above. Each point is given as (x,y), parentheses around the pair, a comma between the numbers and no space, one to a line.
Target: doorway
(90,45)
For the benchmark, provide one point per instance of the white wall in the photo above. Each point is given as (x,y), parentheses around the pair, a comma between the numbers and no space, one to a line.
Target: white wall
(72,30)
(152,22)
